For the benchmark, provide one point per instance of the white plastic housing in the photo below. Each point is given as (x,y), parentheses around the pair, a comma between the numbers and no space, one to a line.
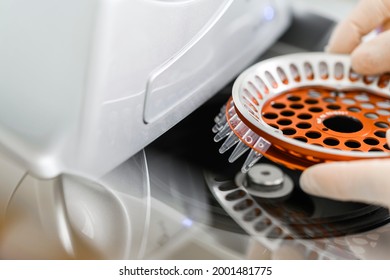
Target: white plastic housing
(85,84)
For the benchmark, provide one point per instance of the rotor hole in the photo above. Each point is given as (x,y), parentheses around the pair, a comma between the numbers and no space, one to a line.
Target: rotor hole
(251,215)
(313,135)
(314,94)
(325,129)
(386,146)
(371,116)
(304,125)
(227,187)
(284,122)
(304,116)
(301,139)
(289,131)
(371,141)
(383,104)
(333,107)
(348,101)
(274,125)
(354,109)
(263,224)
(381,124)
(311,101)
(331,141)
(362,97)
(315,109)
(375,150)
(329,100)
(275,233)
(367,106)
(242,205)
(383,112)
(352,144)
(343,124)
(270,116)
(287,113)
(278,105)
(235,195)
(294,98)
(380,133)
(296,106)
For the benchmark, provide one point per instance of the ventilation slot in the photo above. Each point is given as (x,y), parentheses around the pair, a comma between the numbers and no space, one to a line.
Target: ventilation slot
(369,79)
(324,71)
(308,71)
(255,93)
(383,80)
(271,80)
(261,85)
(282,75)
(339,71)
(353,76)
(295,73)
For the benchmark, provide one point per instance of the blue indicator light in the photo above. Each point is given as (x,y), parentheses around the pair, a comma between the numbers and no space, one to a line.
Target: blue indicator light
(187,222)
(269,13)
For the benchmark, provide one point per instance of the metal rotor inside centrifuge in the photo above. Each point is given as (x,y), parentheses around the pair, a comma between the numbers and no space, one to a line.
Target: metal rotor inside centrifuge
(297,111)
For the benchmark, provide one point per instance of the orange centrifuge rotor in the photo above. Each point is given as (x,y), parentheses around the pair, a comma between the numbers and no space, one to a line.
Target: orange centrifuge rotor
(300,110)
(351,120)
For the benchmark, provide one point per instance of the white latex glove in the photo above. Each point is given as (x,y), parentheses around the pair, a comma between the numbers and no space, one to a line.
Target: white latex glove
(363,180)
(370,57)
(360,180)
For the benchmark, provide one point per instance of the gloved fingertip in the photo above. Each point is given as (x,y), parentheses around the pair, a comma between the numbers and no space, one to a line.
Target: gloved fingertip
(327,49)
(388,136)
(309,182)
(289,251)
(368,58)
(363,61)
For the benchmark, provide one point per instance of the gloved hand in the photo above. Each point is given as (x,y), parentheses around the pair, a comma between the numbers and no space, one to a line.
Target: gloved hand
(362,180)
(370,57)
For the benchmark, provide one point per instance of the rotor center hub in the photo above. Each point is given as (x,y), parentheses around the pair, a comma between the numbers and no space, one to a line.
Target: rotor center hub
(265,176)
(266,181)
(343,124)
